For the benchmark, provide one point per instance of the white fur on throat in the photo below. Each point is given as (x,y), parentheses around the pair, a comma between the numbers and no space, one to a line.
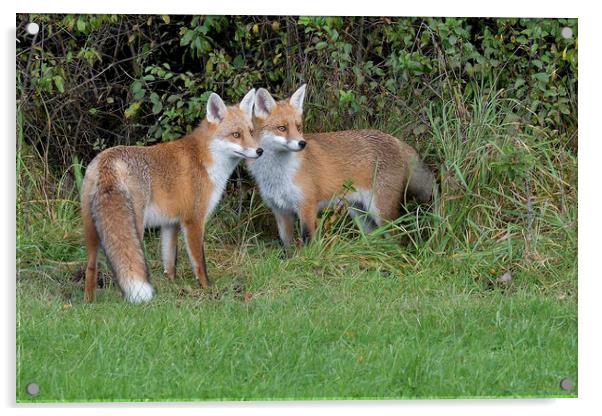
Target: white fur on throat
(137,291)
(274,172)
(226,156)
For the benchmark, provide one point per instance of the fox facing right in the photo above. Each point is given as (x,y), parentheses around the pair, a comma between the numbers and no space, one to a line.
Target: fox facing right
(299,174)
(128,188)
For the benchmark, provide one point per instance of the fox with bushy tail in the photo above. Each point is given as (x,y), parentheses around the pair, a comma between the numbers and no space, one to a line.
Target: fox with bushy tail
(170,185)
(301,173)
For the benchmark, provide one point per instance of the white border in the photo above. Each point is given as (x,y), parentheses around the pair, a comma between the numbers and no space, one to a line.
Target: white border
(551,8)
(589,184)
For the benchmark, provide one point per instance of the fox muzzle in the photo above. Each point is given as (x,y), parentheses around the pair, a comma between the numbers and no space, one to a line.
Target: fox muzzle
(250,153)
(296,145)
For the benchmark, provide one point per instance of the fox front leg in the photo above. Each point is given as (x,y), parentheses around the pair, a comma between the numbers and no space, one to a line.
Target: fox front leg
(307,215)
(193,231)
(286,225)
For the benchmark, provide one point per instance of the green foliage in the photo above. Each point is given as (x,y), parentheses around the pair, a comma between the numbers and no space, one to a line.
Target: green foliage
(411,61)
(103,80)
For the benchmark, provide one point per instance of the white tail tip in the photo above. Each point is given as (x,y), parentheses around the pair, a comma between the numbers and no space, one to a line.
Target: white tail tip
(137,291)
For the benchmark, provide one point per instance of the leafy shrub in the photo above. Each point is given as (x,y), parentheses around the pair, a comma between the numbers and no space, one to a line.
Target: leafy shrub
(87,82)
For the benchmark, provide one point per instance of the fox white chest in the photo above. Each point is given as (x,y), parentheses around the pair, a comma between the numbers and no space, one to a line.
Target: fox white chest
(219,172)
(274,172)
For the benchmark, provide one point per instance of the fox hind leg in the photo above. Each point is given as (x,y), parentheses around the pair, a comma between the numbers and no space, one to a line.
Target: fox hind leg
(364,220)
(169,249)
(92,246)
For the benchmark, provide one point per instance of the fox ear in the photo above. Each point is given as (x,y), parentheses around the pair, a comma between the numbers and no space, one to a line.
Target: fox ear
(216,109)
(296,99)
(246,104)
(264,103)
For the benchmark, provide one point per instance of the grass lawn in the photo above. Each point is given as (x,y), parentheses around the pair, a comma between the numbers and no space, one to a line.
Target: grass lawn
(328,322)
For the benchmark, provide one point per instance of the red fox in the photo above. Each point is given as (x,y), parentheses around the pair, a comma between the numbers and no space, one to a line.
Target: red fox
(299,174)
(127,188)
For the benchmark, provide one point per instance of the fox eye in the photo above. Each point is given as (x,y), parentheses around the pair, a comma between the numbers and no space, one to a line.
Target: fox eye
(236,135)
(251,132)
(282,128)
(299,127)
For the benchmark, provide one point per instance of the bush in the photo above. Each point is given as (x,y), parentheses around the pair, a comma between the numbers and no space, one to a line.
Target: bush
(88,82)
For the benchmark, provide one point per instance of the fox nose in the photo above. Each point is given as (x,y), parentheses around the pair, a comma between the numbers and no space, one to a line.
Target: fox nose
(302,144)
(259,151)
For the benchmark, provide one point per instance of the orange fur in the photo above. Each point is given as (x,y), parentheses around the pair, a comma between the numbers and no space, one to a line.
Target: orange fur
(129,187)
(382,169)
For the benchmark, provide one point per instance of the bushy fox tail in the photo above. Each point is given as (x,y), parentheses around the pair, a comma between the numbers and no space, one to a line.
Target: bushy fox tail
(420,181)
(114,217)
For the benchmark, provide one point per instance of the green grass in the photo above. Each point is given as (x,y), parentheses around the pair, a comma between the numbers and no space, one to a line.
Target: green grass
(312,328)
(416,314)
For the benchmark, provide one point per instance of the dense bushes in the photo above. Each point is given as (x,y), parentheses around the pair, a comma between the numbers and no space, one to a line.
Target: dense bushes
(89,82)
